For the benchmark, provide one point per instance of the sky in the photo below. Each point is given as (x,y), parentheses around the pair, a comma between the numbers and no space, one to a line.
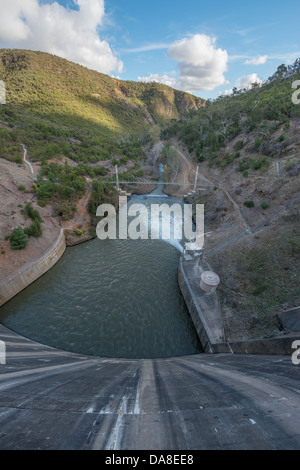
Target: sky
(203,47)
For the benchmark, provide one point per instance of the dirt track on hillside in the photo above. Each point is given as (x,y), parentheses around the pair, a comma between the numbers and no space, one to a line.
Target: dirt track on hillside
(12,203)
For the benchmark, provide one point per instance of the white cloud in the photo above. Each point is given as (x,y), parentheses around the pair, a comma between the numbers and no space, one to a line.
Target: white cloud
(248,81)
(257,60)
(201,64)
(243,83)
(155,77)
(226,92)
(147,48)
(55,29)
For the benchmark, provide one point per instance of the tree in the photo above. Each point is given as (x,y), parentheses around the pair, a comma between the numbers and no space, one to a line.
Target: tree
(18,239)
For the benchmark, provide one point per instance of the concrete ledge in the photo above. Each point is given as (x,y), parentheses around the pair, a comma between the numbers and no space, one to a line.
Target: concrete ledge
(203,308)
(16,282)
(274,346)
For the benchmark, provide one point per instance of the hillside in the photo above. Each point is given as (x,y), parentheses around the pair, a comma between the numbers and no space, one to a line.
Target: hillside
(76,125)
(54,90)
(248,146)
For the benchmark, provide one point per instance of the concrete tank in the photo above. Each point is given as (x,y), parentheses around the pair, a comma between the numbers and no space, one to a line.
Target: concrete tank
(209,282)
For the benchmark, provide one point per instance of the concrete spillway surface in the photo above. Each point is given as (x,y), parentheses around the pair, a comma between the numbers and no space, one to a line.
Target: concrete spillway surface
(51,399)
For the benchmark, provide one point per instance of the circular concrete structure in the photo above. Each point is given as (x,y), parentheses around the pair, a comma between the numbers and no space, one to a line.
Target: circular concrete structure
(209,282)
(51,399)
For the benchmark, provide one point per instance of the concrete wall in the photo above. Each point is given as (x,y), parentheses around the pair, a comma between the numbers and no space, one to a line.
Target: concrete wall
(290,319)
(281,345)
(29,273)
(194,310)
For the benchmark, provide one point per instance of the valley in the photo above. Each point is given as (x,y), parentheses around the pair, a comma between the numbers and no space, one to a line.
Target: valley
(77,125)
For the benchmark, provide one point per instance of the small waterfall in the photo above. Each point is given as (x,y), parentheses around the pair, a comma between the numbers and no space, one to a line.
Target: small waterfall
(176,222)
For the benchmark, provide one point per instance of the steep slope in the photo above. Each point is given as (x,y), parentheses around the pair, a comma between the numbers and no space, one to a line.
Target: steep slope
(56,90)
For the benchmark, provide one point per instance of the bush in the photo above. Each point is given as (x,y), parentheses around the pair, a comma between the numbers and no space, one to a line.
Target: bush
(281,138)
(21,187)
(258,163)
(243,166)
(35,230)
(249,204)
(32,213)
(256,144)
(264,205)
(18,239)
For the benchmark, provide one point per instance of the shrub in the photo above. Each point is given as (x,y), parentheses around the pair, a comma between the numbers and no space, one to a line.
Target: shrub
(258,163)
(243,166)
(21,187)
(249,204)
(18,239)
(32,213)
(35,230)
(256,144)
(264,205)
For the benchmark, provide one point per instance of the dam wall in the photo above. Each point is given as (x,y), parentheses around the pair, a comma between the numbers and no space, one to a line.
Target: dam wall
(204,309)
(205,313)
(19,280)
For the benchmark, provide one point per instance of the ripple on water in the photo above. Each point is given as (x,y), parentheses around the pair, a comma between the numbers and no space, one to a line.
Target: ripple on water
(111,299)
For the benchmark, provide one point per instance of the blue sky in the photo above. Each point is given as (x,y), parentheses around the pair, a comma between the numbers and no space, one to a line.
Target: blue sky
(203,47)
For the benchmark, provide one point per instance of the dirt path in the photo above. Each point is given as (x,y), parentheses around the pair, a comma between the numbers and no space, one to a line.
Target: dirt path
(26,161)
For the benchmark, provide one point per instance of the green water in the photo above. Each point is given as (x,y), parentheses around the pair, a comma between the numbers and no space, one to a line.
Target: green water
(113,298)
